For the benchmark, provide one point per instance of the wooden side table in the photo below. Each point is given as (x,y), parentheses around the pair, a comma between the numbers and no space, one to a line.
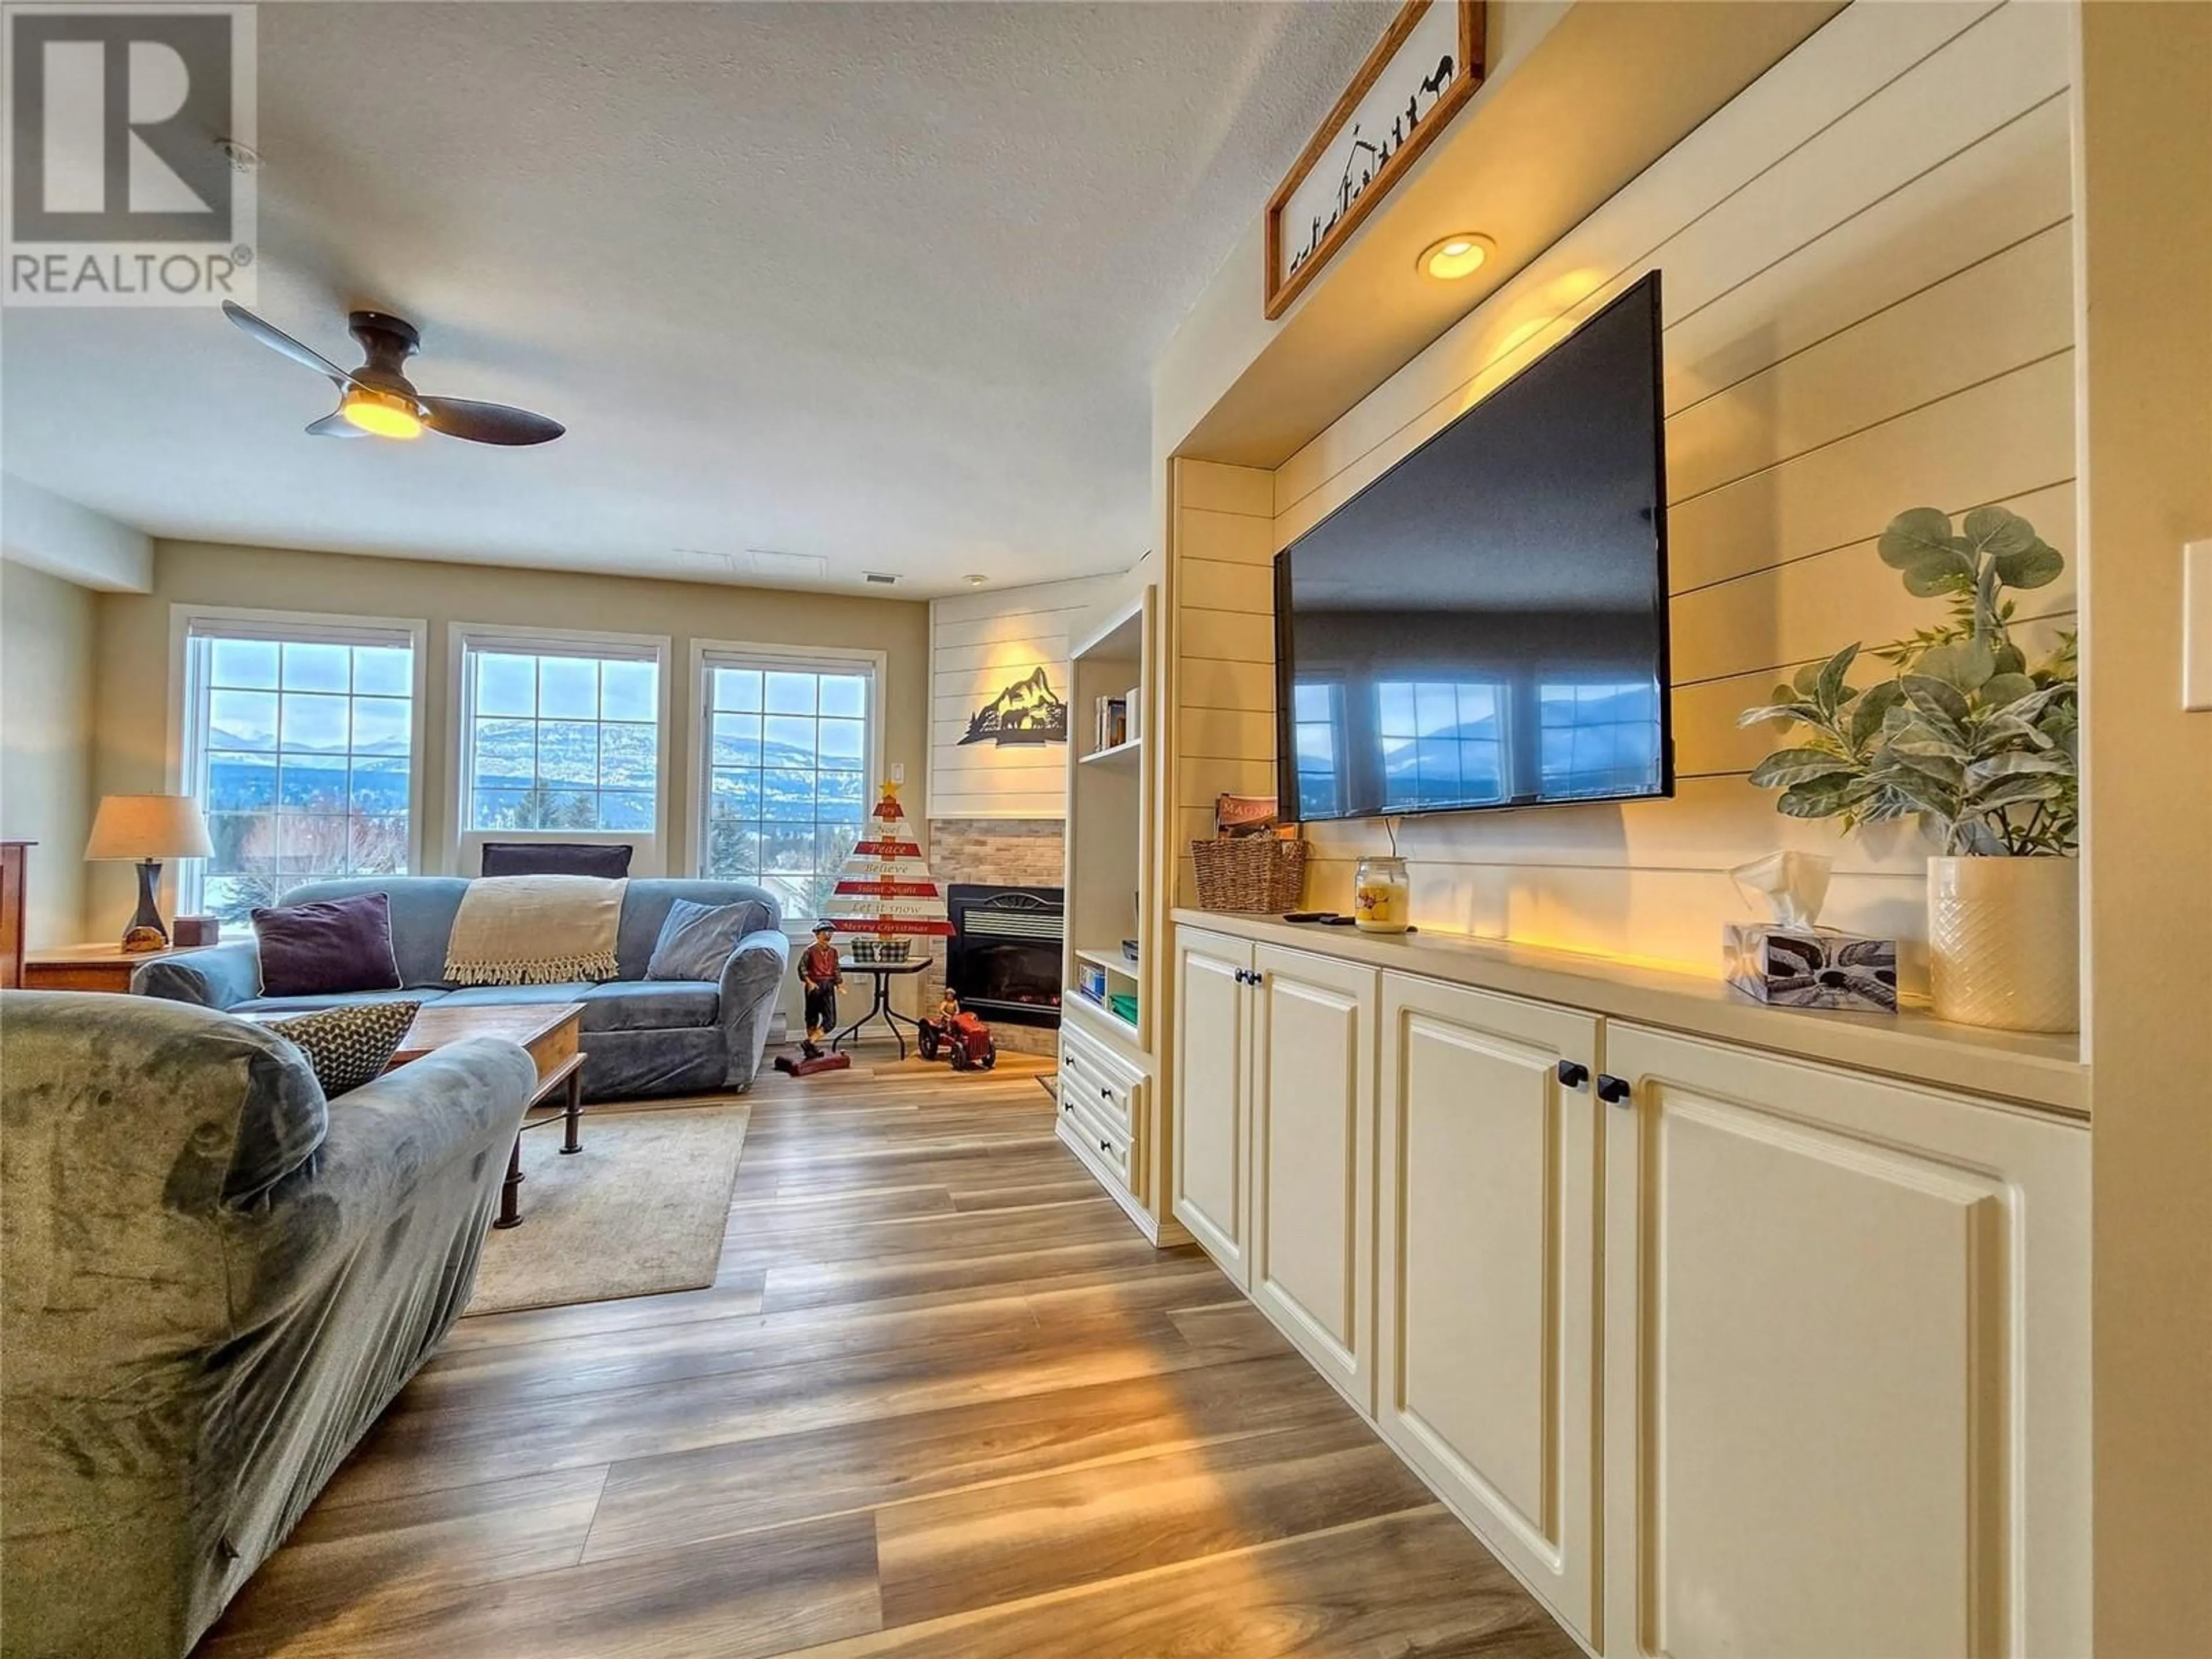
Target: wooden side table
(13,854)
(86,967)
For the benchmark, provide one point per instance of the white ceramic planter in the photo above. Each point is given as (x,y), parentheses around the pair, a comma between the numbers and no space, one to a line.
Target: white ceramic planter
(2004,942)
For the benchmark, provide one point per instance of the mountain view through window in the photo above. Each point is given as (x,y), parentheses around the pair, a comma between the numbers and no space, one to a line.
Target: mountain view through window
(301,763)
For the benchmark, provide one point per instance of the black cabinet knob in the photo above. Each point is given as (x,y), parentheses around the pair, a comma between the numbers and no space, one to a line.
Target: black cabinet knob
(1614,1090)
(1573,1074)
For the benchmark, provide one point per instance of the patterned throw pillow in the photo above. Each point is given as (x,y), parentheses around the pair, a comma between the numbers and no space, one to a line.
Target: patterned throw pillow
(348,1047)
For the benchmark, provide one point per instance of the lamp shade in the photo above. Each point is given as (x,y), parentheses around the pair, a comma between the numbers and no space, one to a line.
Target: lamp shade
(147,827)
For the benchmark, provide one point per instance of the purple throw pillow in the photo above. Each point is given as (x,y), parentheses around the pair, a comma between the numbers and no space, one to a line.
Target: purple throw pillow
(327,946)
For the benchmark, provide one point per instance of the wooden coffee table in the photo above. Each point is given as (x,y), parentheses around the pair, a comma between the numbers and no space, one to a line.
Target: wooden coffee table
(548,1034)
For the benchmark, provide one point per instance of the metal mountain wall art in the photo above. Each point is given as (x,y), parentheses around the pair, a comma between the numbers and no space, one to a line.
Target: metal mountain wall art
(1026,712)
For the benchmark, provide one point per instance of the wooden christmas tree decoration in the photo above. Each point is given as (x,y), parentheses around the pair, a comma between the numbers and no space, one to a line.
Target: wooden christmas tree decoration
(885,895)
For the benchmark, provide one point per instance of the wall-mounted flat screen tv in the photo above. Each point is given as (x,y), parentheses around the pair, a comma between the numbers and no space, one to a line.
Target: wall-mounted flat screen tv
(1486,624)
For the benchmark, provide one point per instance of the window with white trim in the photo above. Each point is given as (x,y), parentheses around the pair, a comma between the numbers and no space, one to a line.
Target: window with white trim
(787,746)
(560,734)
(299,744)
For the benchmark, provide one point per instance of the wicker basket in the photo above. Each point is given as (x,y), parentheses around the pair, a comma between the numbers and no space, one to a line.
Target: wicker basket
(1250,873)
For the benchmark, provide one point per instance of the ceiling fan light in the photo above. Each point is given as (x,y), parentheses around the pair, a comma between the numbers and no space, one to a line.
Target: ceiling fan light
(383,414)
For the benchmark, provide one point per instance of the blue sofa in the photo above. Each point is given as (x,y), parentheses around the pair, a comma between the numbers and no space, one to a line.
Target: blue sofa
(643,1036)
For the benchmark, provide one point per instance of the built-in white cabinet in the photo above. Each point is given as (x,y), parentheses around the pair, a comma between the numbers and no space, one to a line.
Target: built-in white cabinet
(1846,1364)
(1486,1264)
(1312,1089)
(1272,1168)
(1724,1352)
(1209,1174)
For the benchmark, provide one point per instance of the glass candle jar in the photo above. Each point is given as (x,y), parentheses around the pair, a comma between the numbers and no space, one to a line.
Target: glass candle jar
(1382,895)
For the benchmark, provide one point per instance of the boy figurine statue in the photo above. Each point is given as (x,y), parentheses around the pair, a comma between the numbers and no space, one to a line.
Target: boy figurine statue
(819,972)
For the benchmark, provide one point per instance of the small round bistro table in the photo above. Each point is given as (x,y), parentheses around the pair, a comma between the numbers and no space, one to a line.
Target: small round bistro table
(883,973)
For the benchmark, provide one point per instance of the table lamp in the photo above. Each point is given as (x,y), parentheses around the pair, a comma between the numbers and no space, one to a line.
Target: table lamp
(148,828)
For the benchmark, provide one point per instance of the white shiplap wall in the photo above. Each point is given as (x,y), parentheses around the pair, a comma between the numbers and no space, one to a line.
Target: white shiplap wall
(1221,644)
(1867,289)
(979,643)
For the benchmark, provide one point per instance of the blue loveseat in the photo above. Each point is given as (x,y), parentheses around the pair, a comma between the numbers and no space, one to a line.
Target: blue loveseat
(643,1036)
(212,1281)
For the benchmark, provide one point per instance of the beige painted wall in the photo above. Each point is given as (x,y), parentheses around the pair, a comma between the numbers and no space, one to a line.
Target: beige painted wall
(2145,185)
(135,733)
(46,659)
(1868,305)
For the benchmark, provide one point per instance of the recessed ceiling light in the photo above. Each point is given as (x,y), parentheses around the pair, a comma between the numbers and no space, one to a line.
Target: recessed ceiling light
(1460,255)
(976,581)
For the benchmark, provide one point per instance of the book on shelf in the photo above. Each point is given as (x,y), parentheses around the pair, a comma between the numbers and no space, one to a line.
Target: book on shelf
(1113,723)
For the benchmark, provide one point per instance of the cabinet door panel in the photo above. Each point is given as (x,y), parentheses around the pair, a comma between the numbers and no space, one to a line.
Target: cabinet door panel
(1487,1349)
(1314,1126)
(1842,1416)
(1211,1125)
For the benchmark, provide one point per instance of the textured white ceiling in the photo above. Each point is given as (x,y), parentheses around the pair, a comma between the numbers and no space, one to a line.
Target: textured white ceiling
(878,285)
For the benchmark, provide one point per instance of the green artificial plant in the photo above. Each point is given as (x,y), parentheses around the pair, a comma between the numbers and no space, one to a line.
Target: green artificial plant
(1963,733)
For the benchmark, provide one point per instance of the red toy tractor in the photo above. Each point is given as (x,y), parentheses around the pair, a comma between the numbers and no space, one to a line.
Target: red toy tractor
(962,1039)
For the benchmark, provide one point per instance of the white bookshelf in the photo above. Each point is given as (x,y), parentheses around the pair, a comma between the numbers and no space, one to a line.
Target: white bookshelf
(1108,832)
(1123,978)
(1126,753)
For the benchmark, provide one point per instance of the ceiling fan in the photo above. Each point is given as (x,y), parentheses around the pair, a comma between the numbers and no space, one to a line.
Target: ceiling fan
(377,400)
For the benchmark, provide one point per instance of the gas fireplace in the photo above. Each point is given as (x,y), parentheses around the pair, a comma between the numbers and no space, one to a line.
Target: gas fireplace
(1003,959)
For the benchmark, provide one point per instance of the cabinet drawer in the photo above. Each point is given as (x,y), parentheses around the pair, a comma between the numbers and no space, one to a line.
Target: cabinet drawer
(1108,1090)
(1102,1140)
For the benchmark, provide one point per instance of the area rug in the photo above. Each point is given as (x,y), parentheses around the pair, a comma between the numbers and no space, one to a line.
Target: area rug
(640,1211)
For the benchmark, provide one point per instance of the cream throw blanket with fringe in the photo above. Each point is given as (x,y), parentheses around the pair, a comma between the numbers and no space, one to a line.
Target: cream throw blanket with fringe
(535,930)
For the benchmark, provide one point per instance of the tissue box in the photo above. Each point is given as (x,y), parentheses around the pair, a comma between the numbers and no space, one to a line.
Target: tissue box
(1812,967)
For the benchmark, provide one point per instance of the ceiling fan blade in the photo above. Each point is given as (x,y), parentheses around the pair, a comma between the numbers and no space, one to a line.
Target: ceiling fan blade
(489,423)
(278,341)
(335,425)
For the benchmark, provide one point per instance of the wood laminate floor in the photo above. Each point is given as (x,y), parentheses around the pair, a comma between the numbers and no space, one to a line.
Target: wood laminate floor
(942,1399)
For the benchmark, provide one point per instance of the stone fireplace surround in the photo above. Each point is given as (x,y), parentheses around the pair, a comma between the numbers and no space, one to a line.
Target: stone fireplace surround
(1018,851)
